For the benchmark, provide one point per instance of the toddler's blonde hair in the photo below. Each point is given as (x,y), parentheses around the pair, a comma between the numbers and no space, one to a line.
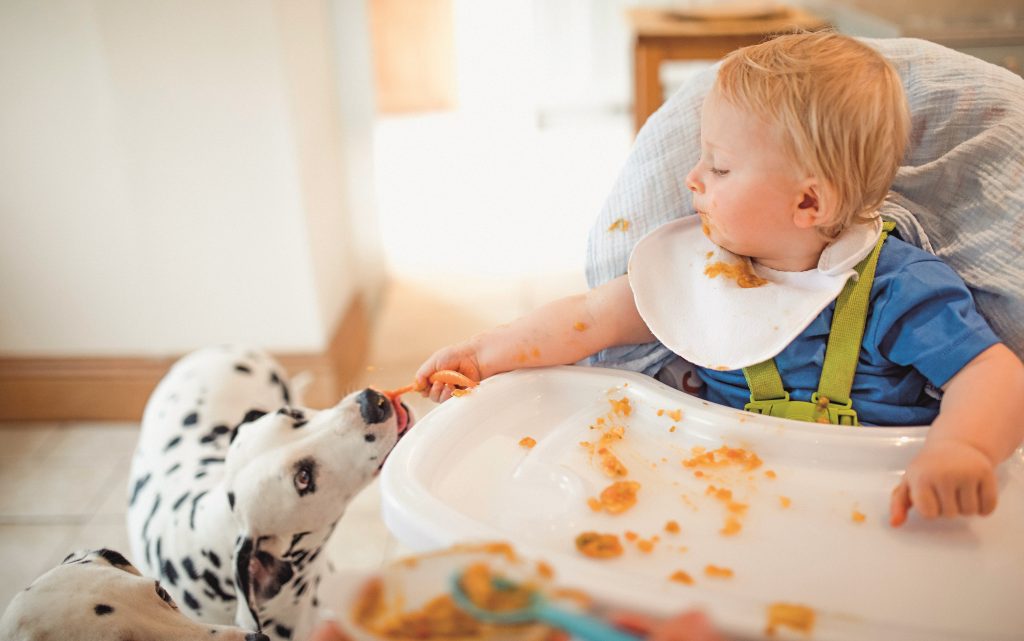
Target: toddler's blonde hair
(838,108)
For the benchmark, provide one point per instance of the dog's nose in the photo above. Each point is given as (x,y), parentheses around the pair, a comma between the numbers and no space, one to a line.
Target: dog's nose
(256,636)
(374,406)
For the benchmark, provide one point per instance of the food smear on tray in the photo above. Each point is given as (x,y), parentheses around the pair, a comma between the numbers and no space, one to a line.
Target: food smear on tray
(789,615)
(616,498)
(599,546)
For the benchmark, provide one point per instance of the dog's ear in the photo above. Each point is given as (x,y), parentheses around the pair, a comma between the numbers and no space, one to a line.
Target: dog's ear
(259,573)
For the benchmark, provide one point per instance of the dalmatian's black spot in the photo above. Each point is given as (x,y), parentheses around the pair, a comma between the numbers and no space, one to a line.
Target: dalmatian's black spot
(190,568)
(231,501)
(149,518)
(139,484)
(191,419)
(249,417)
(172,469)
(211,460)
(369,438)
(200,474)
(67,558)
(295,541)
(169,572)
(283,631)
(192,515)
(115,559)
(244,369)
(214,583)
(102,609)
(276,380)
(214,433)
(171,443)
(180,501)
(214,559)
(192,602)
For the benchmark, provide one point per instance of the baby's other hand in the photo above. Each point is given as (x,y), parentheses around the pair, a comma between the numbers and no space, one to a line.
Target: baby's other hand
(461,358)
(947,478)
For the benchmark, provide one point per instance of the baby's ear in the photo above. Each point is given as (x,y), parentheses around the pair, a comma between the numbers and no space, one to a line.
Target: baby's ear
(814,204)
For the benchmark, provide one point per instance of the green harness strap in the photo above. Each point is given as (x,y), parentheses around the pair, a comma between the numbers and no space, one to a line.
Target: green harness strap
(831,403)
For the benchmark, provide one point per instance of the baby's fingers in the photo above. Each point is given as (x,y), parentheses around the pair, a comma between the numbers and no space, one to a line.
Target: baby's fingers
(988,495)
(899,504)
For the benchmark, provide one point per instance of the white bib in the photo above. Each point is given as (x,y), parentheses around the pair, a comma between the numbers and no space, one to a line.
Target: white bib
(715,323)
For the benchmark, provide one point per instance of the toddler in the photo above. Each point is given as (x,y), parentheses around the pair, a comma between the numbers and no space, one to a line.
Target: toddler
(801,137)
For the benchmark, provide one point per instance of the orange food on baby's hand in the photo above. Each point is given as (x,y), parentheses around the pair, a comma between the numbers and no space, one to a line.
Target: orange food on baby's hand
(452,378)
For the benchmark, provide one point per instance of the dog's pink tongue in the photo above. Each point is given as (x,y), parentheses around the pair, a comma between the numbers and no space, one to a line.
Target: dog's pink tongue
(401,415)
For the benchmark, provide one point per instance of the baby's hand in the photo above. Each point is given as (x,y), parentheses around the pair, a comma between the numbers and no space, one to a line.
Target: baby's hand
(947,478)
(461,358)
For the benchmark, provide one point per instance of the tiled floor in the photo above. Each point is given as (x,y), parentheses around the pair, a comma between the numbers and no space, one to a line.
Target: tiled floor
(63,486)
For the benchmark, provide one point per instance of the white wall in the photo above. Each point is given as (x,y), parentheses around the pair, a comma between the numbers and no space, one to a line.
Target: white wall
(174,175)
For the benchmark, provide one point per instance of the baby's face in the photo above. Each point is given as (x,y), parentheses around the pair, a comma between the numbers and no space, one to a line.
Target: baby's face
(744,187)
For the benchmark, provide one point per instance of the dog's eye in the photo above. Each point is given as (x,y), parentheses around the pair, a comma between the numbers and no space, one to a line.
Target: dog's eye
(302,480)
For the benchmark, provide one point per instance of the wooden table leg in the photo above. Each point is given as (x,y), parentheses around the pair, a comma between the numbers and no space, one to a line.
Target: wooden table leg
(647,94)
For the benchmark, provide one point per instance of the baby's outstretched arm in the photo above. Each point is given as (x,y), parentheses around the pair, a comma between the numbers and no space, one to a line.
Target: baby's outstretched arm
(980,423)
(559,333)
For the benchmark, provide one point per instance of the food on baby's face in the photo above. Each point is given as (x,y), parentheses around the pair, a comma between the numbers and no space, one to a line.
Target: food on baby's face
(579,326)
(741,272)
(528,442)
(789,615)
(599,546)
(617,497)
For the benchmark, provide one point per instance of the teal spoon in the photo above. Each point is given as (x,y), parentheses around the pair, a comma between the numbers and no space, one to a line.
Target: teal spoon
(578,625)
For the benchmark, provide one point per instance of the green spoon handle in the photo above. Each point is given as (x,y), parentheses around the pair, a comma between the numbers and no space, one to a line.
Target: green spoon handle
(581,625)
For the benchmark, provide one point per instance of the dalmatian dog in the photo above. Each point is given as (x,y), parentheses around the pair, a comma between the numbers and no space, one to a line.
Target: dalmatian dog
(97,595)
(234,491)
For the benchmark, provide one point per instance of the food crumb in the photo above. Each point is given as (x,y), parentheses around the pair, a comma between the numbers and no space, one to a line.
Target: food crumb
(621,406)
(732,527)
(717,572)
(672,527)
(784,501)
(858,517)
(681,577)
(770,474)
(631,535)
(599,546)
(645,546)
(617,497)
(620,223)
(790,615)
(527,442)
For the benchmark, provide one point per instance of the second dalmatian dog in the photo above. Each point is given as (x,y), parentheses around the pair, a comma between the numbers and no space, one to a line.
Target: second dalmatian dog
(234,492)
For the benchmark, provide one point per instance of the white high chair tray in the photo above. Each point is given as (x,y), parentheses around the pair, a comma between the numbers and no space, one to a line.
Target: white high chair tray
(462,475)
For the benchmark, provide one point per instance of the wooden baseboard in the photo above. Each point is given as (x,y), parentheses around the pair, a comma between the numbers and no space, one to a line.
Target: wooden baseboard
(116,388)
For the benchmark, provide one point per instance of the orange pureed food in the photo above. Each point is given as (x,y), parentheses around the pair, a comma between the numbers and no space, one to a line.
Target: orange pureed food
(741,272)
(789,615)
(616,498)
(599,546)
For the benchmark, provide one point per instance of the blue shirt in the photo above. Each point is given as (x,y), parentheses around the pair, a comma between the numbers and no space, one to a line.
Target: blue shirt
(922,328)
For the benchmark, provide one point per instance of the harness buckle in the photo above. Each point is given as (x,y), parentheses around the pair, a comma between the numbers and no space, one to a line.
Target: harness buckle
(819,410)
